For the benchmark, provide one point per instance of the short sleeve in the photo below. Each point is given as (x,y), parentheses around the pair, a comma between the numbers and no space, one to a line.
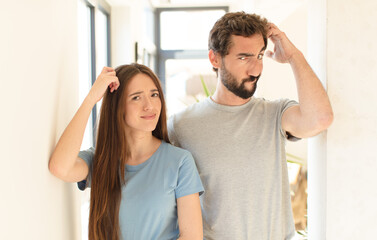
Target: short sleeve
(284,105)
(188,178)
(172,136)
(87,156)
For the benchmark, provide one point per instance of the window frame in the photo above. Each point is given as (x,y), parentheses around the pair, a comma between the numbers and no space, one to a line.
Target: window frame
(106,10)
(163,55)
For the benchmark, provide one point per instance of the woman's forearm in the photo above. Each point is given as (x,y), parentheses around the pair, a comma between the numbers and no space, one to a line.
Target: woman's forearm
(64,157)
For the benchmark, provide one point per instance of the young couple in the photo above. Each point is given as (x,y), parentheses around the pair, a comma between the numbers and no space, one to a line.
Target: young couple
(142,187)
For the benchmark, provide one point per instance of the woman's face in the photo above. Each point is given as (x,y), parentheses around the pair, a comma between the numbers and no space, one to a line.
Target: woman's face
(143,104)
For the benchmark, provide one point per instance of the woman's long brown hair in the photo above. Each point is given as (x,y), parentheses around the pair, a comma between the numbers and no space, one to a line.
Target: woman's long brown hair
(108,174)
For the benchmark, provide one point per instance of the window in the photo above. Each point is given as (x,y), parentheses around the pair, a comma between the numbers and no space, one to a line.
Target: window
(94,54)
(85,62)
(102,26)
(182,53)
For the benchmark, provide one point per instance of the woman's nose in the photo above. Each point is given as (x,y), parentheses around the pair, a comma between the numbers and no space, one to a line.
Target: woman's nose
(148,104)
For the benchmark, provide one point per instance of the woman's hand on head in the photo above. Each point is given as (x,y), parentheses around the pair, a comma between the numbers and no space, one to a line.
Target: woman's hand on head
(106,79)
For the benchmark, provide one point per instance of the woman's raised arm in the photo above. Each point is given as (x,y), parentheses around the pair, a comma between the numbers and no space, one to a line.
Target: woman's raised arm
(64,162)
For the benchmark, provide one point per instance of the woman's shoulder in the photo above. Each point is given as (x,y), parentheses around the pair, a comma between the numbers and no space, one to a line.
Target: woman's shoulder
(175,152)
(87,155)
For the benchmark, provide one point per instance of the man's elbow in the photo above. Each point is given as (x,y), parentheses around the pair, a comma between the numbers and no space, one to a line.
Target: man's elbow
(321,123)
(325,120)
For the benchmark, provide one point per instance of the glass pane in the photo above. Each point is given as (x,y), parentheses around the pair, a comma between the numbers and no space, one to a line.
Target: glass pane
(183,84)
(187,29)
(101,47)
(101,41)
(84,65)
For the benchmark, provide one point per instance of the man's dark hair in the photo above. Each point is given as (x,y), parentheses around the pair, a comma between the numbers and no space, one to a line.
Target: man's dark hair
(235,23)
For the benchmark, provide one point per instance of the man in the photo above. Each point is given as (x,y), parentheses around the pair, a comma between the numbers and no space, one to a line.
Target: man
(238,140)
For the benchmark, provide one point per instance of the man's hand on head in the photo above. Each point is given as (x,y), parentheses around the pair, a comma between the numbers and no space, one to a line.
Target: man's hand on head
(284,50)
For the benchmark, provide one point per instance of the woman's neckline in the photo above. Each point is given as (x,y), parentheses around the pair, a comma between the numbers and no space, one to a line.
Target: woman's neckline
(134,168)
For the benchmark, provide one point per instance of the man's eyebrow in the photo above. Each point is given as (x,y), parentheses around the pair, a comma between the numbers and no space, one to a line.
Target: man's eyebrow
(245,55)
(250,54)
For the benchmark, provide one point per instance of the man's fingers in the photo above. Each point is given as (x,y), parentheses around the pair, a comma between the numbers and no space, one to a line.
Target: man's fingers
(273,30)
(269,53)
(272,26)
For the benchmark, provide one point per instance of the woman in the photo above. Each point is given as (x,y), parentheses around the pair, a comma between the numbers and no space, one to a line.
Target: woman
(141,186)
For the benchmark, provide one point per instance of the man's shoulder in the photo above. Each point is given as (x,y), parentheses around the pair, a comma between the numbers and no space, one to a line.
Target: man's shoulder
(191,112)
(272,103)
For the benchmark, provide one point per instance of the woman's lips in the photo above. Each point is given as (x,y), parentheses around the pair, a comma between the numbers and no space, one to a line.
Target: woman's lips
(149,117)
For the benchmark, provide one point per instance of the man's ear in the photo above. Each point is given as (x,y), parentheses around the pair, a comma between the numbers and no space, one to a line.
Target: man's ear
(214,58)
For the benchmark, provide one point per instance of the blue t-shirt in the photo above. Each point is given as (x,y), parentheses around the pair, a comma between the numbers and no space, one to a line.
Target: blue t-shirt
(148,208)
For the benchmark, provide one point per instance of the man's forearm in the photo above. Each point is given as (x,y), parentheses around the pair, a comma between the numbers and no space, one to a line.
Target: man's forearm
(314,103)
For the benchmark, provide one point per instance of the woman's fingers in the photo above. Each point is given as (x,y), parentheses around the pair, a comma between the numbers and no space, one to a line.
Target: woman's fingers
(107,69)
(110,75)
(106,79)
(114,83)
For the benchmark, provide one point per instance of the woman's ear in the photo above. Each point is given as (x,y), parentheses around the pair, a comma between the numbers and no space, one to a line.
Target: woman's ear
(214,58)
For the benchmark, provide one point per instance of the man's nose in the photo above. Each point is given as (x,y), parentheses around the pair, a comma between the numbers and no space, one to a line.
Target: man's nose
(255,68)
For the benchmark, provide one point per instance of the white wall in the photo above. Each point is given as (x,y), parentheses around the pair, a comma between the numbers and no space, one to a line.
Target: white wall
(352,139)
(39,92)
(127,27)
(122,42)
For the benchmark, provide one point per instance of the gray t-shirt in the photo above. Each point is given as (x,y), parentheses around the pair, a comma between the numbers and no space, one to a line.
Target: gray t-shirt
(240,155)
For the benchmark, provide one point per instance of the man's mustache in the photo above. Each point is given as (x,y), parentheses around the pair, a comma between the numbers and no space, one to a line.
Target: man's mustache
(251,79)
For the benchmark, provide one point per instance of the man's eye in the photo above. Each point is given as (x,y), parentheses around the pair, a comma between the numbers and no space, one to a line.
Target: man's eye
(242,58)
(260,56)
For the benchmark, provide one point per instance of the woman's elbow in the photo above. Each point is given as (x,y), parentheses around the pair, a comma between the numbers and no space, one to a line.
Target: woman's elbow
(56,169)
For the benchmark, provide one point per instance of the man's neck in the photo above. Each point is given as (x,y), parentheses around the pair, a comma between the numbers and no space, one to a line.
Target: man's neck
(225,97)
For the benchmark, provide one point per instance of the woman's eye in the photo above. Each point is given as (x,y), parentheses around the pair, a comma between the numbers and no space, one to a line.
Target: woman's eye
(260,56)
(155,95)
(136,98)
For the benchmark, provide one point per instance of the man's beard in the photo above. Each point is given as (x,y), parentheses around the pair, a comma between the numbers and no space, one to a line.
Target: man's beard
(230,82)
